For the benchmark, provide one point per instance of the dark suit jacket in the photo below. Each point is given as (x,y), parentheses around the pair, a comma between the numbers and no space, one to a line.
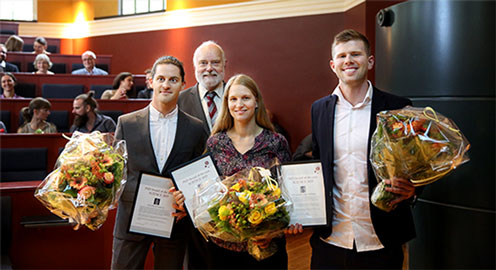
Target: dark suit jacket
(134,128)
(190,102)
(10,67)
(394,228)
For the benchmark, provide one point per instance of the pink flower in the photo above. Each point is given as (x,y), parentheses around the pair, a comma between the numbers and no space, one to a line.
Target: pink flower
(86,192)
(108,178)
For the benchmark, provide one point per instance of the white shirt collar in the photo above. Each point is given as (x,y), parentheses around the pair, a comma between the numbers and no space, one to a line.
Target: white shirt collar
(155,115)
(3,64)
(365,101)
(219,90)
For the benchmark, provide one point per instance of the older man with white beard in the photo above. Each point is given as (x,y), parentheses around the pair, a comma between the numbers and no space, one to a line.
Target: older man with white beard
(204,100)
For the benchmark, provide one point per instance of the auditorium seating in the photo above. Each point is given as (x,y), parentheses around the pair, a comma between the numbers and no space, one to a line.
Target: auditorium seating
(112,114)
(86,80)
(27,90)
(50,48)
(57,68)
(25,60)
(59,118)
(99,89)
(5,118)
(11,109)
(23,164)
(62,90)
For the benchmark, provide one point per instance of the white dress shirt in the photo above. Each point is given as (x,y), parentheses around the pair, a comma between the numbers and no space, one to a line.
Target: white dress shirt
(163,133)
(217,99)
(351,214)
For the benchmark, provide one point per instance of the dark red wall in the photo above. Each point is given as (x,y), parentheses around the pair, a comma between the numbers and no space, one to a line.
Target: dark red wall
(288,58)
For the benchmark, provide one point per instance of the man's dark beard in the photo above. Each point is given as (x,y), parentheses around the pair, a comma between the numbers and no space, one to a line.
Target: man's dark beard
(80,120)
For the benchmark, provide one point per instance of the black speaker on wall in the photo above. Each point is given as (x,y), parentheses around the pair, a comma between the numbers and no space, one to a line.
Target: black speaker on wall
(442,54)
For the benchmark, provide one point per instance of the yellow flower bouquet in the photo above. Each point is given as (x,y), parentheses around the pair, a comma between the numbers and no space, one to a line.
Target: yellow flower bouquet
(416,144)
(245,208)
(89,177)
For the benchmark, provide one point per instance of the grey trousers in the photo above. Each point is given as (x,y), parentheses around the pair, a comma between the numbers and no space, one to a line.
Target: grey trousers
(169,254)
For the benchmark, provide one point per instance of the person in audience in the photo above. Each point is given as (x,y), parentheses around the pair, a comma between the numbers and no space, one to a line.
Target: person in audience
(89,63)
(148,91)
(204,99)
(4,65)
(9,82)
(14,43)
(42,64)
(3,129)
(304,150)
(158,137)
(123,83)
(40,45)
(86,116)
(35,117)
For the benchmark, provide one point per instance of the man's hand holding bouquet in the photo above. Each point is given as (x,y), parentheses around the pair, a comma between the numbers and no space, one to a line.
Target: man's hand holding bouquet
(414,144)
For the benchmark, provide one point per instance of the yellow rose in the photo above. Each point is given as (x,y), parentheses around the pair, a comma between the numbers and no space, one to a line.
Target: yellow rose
(270,209)
(235,187)
(255,217)
(277,192)
(244,197)
(224,212)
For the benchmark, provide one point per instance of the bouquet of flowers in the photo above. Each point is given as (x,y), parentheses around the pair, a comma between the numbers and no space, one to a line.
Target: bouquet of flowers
(417,144)
(241,210)
(89,177)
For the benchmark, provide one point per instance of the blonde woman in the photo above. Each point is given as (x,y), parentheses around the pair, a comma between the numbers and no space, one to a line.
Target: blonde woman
(42,64)
(244,137)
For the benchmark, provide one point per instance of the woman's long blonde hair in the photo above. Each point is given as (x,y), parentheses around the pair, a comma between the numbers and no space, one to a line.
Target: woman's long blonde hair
(225,120)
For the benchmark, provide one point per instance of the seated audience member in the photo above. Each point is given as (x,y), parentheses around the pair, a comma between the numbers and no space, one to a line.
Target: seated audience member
(40,45)
(14,43)
(304,150)
(148,91)
(122,84)
(35,116)
(3,129)
(4,66)
(9,82)
(42,63)
(89,63)
(86,116)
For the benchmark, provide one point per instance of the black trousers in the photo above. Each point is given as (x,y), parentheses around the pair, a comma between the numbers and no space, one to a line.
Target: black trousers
(327,256)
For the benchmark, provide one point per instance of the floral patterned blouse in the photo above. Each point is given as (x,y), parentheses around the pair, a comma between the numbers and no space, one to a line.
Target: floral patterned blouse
(268,146)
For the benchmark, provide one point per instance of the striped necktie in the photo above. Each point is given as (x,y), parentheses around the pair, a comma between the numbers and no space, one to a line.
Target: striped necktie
(212,109)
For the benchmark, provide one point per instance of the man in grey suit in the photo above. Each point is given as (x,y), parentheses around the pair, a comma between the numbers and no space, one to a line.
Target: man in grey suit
(158,137)
(210,62)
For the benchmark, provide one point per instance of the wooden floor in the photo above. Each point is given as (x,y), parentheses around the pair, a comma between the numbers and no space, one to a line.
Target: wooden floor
(299,250)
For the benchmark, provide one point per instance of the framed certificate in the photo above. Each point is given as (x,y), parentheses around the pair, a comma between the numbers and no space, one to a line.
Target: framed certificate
(189,176)
(304,183)
(152,209)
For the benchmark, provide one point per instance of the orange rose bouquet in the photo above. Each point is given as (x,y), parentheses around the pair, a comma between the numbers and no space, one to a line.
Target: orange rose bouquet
(416,144)
(89,177)
(244,208)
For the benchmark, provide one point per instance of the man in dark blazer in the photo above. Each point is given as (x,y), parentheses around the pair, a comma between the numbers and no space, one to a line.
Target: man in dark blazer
(4,65)
(158,138)
(359,235)
(210,62)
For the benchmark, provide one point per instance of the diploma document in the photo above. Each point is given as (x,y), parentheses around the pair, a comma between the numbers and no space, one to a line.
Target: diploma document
(188,177)
(152,209)
(304,183)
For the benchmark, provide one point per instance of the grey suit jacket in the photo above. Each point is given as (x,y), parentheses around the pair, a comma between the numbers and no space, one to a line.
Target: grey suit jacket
(134,128)
(190,102)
